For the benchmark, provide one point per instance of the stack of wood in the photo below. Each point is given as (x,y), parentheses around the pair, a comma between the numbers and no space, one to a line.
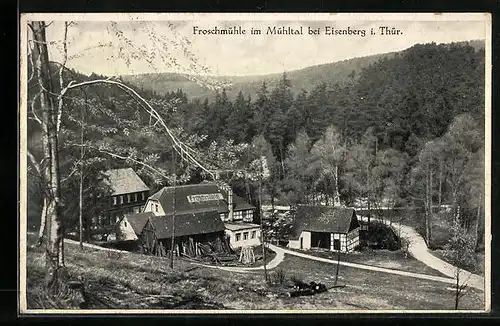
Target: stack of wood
(247,256)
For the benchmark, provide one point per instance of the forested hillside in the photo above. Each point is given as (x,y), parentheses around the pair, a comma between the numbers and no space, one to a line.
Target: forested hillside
(304,79)
(404,129)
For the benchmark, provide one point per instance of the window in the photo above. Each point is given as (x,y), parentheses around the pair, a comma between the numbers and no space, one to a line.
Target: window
(143,196)
(128,198)
(156,207)
(125,223)
(135,197)
(115,200)
(248,217)
(336,244)
(245,235)
(121,199)
(238,236)
(237,215)
(253,234)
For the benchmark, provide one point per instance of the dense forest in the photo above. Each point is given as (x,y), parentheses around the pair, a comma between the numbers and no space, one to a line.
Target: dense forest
(405,130)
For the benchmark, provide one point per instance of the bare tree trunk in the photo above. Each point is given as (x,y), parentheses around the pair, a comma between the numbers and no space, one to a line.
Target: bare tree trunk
(262,231)
(430,205)
(457,289)
(80,213)
(338,266)
(51,168)
(43,219)
(173,212)
(82,153)
(440,190)
(476,225)
(426,207)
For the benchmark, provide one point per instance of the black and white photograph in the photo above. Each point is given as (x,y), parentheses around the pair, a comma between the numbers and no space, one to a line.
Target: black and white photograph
(254,163)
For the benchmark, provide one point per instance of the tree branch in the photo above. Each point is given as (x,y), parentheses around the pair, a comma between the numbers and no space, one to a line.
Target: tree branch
(126,158)
(178,145)
(35,164)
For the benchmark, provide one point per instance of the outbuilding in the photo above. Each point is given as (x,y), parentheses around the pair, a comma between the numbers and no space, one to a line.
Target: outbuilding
(329,227)
(195,233)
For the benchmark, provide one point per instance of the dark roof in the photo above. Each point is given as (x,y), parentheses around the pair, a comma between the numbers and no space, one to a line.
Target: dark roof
(139,220)
(124,181)
(187,224)
(324,219)
(183,204)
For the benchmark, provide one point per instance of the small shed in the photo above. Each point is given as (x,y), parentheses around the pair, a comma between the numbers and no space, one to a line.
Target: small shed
(196,233)
(328,227)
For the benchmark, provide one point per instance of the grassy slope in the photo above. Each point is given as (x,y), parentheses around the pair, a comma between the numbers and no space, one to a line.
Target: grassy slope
(129,280)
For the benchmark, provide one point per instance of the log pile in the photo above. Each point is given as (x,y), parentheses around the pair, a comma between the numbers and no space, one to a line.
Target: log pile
(247,255)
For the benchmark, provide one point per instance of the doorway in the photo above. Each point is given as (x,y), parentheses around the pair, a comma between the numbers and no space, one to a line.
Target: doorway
(320,240)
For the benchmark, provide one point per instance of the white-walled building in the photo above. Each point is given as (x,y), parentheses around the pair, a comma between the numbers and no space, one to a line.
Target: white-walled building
(243,234)
(328,227)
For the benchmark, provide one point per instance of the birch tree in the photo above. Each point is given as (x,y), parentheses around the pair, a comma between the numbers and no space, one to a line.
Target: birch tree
(47,110)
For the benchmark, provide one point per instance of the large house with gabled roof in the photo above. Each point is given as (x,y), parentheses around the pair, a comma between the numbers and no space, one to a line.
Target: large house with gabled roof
(128,195)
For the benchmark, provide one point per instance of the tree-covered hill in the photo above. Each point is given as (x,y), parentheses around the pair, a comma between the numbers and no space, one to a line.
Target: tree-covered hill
(303,79)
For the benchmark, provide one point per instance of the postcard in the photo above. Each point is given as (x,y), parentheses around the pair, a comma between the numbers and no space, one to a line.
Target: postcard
(254,163)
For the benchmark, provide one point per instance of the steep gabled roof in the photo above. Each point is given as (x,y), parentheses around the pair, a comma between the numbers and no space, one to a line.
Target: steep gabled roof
(324,219)
(216,199)
(187,224)
(125,181)
(138,221)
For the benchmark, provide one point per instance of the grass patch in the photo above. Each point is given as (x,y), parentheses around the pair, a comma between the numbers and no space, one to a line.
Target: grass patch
(478,266)
(380,258)
(374,290)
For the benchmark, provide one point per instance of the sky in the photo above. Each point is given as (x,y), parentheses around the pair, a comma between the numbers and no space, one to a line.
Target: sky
(131,46)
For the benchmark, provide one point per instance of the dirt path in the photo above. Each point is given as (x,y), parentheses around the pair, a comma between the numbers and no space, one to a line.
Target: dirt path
(418,249)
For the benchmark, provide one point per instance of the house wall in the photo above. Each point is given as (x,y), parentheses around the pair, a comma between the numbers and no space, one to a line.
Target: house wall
(348,241)
(243,215)
(118,207)
(125,232)
(306,241)
(250,241)
(352,240)
(155,207)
